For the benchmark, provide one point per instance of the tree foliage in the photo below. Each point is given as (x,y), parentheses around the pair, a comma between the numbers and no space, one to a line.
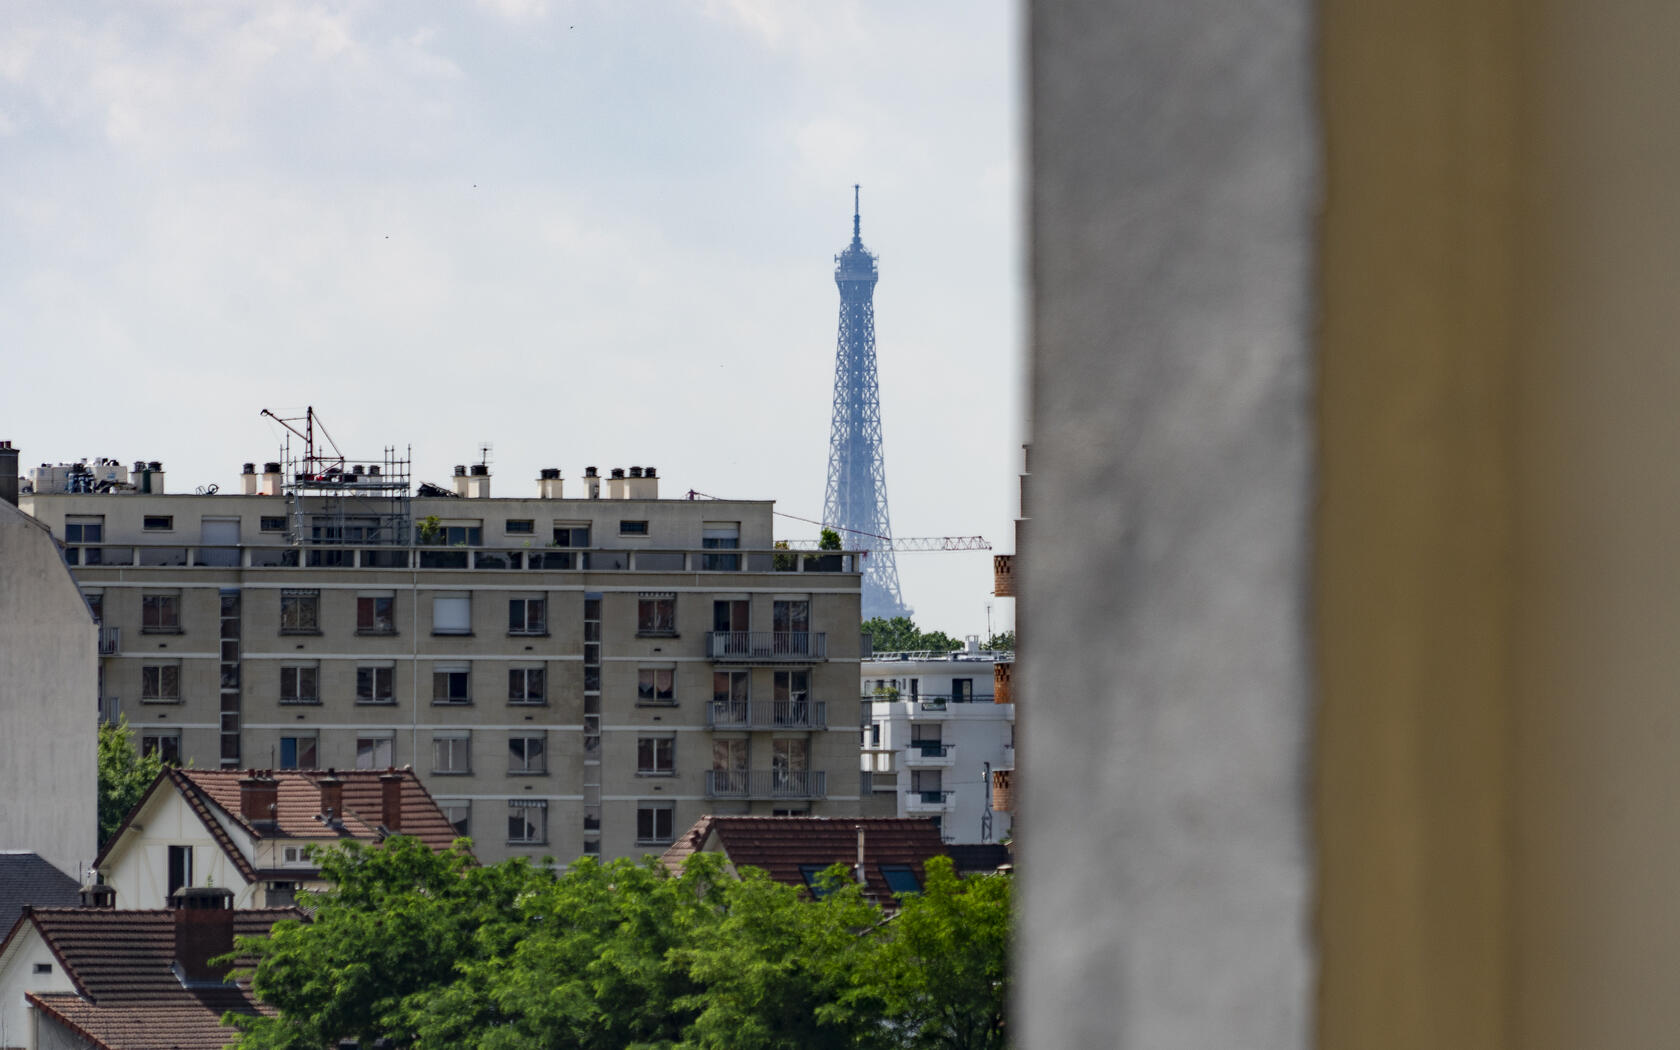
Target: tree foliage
(830,541)
(1003,641)
(124,775)
(431,951)
(900,634)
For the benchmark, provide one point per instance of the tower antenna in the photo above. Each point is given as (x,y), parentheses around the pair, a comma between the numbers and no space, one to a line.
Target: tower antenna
(856,499)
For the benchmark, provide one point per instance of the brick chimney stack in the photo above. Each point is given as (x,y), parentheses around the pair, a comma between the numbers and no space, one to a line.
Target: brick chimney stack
(99,895)
(203,931)
(332,797)
(390,799)
(259,797)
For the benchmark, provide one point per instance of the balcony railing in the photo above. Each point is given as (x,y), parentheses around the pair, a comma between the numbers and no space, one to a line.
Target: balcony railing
(110,640)
(766,783)
(767,646)
(347,556)
(110,709)
(767,714)
(927,801)
(924,755)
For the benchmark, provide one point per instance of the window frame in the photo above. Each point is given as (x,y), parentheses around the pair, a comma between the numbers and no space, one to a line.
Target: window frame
(155,680)
(453,600)
(271,523)
(656,756)
(648,693)
(650,621)
(300,611)
(160,612)
(157,523)
(457,751)
(370,624)
(522,762)
(633,527)
(520,526)
(153,740)
(375,738)
(373,673)
(521,806)
(298,741)
(300,684)
(463,826)
(82,523)
(652,809)
(565,536)
(520,624)
(519,686)
(456,674)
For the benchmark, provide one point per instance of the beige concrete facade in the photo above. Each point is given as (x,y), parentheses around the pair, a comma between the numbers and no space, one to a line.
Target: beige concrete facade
(250,663)
(49,679)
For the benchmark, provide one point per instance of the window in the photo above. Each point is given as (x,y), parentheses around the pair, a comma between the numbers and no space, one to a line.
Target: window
(96,604)
(160,683)
(164,743)
(927,783)
(721,535)
(451,536)
(300,611)
(526,754)
(819,885)
(729,754)
(41,968)
(901,878)
(525,685)
(656,615)
(376,614)
(458,811)
(632,528)
(375,751)
(158,523)
(962,690)
(656,756)
(791,622)
(792,691)
(789,765)
(656,685)
(160,613)
(375,685)
(276,523)
(527,822)
(452,754)
(527,616)
(297,684)
(452,684)
(298,752)
(571,535)
(655,823)
(180,870)
(452,614)
(521,527)
(89,529)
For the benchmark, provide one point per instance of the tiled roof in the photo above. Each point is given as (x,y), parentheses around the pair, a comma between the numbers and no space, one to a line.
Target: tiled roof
(184,1025)
(27,879)
(780,845)
(121,955)
(299,804)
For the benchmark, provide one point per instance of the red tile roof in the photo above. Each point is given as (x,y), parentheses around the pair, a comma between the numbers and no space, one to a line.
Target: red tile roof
(780,845)
(127,994)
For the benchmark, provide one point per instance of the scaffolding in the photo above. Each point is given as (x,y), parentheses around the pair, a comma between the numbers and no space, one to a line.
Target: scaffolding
(332,500)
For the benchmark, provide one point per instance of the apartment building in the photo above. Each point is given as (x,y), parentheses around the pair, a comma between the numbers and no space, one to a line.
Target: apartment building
(940,726)
(583,675)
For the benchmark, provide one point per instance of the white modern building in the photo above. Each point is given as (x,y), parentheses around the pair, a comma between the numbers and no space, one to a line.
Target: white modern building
(938,726)
(49,689)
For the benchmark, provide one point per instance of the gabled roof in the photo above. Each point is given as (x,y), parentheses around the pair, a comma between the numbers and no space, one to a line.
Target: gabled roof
(214,794)
(26,879)
(127,994)
(781,845)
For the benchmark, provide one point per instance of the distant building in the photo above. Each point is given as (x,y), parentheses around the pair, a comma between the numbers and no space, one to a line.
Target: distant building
(247,830)
(95,978)
(937,727)
(797,850)
(570,674)
(49,693)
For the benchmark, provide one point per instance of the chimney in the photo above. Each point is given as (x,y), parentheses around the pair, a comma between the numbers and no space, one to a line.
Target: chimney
(99,895)
(390,799)
(259,795)
(459,481)
(642,484)
(8,473)
(203,931)
(616,483)
(272,483)
(592,482)
(549,483)
(152,480)
(332,797)
(248,480)
(478,481)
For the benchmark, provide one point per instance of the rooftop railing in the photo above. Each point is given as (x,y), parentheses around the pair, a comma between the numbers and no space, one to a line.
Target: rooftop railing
(433,557)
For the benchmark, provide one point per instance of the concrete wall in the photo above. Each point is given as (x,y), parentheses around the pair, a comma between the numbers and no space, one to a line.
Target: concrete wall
(49,689)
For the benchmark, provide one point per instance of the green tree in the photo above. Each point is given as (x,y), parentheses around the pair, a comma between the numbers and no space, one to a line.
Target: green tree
(830,541)
(124,775)
(900,634)
(940,977)
(1002,642)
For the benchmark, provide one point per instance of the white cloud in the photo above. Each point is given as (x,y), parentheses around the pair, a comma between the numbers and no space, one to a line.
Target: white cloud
(516,10)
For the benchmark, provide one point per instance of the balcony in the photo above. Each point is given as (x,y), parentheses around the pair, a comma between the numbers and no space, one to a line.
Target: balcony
(767,714)
(110,640)
(927,801)
(753,647)
(766,783)
(110,709)
(925,755)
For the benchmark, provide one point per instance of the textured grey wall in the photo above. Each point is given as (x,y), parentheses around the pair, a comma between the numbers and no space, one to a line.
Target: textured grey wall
(1164,678)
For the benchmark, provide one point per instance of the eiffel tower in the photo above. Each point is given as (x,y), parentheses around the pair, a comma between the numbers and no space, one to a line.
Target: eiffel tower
(856,501)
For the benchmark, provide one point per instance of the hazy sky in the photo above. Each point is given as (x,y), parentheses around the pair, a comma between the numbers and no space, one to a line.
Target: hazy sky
(587,233)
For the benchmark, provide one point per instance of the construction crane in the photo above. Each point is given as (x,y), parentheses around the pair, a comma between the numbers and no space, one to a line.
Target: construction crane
(911,545)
